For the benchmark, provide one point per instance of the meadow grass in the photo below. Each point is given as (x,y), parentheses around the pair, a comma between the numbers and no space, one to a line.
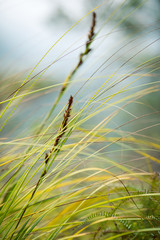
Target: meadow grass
(87,168)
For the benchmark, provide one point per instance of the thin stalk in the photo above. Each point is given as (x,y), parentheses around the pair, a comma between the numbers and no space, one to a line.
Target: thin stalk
(62,131)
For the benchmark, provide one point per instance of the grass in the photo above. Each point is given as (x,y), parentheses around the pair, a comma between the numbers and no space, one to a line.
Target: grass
(87,168)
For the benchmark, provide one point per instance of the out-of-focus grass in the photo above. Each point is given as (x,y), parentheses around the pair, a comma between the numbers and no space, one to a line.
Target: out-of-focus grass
(99,179)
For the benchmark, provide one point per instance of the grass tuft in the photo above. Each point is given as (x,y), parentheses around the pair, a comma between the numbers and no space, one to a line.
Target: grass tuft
(87,168)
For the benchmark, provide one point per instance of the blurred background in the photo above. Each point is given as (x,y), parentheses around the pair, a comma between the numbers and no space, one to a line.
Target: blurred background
(30,28)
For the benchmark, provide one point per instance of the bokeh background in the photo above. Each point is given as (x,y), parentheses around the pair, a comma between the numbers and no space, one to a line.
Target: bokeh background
(30,28)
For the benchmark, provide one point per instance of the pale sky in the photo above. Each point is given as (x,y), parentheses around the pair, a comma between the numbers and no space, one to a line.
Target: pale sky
(24,31)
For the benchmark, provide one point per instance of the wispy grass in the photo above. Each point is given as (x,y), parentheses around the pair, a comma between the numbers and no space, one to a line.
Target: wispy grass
(88,168)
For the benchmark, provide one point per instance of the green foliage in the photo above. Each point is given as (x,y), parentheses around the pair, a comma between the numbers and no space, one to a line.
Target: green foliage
(88,169)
